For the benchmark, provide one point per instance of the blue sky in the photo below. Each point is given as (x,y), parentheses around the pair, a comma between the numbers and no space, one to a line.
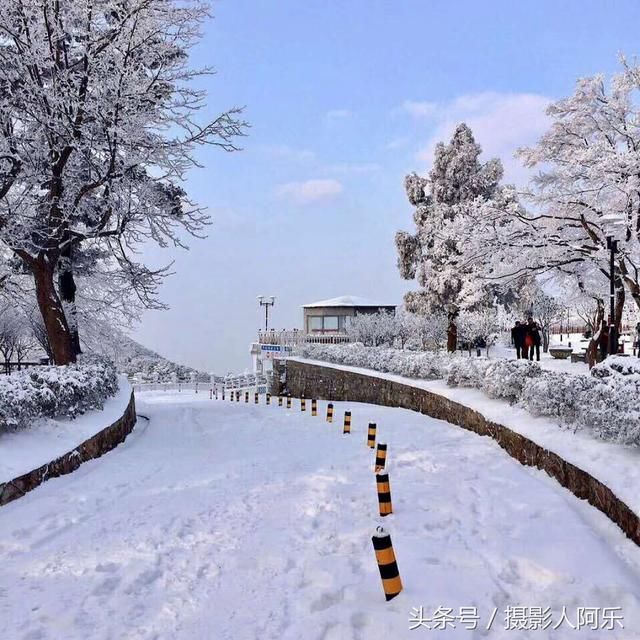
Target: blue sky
(344,99)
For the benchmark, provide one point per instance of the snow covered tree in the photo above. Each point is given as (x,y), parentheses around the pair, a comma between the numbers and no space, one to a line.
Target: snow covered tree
(542,307)
(480,327)
(8,335)
(98,126)
(430,331)
(404,326)
(588,161)
(373,329)
(434,253)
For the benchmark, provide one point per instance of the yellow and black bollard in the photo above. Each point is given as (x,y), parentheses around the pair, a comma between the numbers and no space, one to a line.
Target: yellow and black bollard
(314,407)
(210,394)
(231,394)
(223,394)
(384,493)
(268,398)
(381,456)
(371,435)
(288,402)
(246,396)
(347,422)
(387,565)
(303,404)
(255,398)
(329,412)
(279,401)
(237,396)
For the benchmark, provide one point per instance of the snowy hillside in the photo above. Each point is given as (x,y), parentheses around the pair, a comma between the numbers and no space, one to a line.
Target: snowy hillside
(142,364)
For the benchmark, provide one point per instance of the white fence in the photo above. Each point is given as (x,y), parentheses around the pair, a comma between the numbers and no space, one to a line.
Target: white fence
(243,382)
(257,381)
(197,387)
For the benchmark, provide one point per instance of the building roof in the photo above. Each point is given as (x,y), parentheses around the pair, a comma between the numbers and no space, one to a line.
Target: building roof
(346,301)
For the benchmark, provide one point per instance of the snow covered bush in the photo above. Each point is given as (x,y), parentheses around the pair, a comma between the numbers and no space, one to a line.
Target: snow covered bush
(506,378)
(556,395)
(55,392)
(616,365)
(607,403)
(411,364)
(467,372)
(612,409)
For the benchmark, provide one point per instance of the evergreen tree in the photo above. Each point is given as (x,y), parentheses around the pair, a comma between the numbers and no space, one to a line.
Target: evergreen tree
(434,254)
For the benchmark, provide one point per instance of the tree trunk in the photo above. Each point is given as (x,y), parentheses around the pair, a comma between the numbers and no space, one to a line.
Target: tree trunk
(592,349)
(67,289)
(545,339)
(452,335)
(53,316)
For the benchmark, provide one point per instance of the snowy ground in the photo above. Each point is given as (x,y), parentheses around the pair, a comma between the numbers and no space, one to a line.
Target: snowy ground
(616,465)
(27,449)
(547,361)
(219,521)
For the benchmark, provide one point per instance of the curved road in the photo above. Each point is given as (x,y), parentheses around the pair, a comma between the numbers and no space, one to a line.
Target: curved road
(219,521)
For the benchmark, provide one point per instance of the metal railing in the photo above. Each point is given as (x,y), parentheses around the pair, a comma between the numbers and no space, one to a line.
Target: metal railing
(8,367)
(582,328)
(293,338)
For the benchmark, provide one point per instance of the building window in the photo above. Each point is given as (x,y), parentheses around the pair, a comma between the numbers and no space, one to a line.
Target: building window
(326,324)
(330,323)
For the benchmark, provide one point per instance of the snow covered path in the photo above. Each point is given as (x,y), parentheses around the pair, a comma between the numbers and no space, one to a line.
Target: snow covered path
(221,521)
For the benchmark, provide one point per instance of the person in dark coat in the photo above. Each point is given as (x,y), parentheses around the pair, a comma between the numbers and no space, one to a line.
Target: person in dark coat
(532,339)
(517,338)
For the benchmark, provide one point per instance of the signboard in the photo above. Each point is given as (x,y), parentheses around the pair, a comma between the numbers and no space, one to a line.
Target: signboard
(273,350)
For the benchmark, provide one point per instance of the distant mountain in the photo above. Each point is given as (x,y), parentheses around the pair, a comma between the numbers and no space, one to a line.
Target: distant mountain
(143,364)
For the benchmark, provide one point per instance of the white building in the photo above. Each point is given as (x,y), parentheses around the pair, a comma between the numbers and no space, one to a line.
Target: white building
(325,321)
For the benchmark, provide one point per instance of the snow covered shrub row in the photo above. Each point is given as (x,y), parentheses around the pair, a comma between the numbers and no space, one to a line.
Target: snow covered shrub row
(612,408)
(505,379)
(606,403)
(467,372)
(55,392)
(557,395)
(411,364)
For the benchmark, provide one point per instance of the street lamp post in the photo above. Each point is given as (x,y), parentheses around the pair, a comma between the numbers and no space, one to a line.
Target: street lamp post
(611,222)
(266,302)
(612,246)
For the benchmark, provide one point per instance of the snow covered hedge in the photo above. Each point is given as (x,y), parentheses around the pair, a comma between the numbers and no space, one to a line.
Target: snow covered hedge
(411,364)
(55,392)
(607,403)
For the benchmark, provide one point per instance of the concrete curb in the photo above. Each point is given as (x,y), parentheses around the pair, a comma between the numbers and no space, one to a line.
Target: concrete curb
(312,380)
(96,446)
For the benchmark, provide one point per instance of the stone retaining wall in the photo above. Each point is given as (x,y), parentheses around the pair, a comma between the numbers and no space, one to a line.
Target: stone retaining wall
(94,447)
(315,381)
